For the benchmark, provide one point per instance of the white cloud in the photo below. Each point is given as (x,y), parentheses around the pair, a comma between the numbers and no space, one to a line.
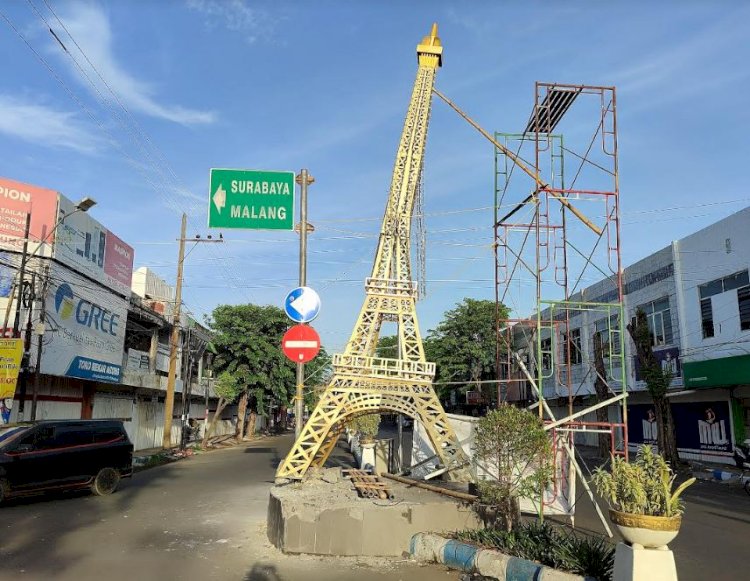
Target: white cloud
(90,27)
(45,126)
(236,16)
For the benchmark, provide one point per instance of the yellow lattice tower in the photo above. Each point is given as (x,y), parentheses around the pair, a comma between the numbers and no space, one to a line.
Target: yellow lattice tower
(363,383)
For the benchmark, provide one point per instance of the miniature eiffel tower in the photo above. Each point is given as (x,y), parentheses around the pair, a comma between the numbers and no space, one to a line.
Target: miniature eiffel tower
(363,383)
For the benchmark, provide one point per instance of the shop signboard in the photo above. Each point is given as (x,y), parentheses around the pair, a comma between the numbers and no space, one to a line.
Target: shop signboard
(16,201)
(700,427)
(668,359)
(85,328)
(87,247)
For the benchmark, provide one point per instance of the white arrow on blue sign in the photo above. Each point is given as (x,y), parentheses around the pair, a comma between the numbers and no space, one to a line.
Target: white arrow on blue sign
(302,304)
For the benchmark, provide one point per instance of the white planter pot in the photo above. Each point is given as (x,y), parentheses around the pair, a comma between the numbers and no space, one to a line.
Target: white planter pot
(646,531)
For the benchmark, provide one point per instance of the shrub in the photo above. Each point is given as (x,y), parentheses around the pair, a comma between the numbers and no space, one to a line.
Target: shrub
(549,546)
(641,487)
(512,443)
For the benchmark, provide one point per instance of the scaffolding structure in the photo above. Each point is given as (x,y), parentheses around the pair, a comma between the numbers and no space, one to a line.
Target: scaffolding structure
(557,230)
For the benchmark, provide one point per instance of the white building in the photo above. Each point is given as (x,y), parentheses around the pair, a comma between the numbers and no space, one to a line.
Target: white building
(696,295)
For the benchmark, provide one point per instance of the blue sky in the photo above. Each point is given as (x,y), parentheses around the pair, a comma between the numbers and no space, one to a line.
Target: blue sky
(325,85)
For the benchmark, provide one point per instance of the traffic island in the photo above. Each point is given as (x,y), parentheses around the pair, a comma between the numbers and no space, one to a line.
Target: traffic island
(323,515)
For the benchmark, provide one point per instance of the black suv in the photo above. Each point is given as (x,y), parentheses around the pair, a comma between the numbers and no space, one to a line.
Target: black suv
(63,454)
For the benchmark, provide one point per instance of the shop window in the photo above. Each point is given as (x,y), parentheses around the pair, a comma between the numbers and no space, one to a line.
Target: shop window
(659,319)
(707,318)
(546,346)
(743,300)
(609,329)
(572,341)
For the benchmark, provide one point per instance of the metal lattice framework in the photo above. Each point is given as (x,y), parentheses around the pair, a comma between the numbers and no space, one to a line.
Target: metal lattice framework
(363,383)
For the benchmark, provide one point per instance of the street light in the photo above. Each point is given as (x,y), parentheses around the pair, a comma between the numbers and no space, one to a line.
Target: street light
(85,205)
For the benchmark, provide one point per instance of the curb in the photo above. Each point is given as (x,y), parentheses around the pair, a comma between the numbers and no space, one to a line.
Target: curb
(490,563)
(715,475)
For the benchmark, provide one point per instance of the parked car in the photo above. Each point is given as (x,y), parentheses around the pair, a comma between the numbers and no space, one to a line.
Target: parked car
(62,455)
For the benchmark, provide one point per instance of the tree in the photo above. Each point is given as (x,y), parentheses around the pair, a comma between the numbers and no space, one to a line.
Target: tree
(248,345)
(657,381)
(464,344)
(387,347)
(227,388)
(512,441)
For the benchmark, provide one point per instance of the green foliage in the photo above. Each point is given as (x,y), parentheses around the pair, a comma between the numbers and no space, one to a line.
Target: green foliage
(248,345)
(387,347)
(512,441)
(550,546)
(366,426)
(227,387)
(641,487)
(464,344)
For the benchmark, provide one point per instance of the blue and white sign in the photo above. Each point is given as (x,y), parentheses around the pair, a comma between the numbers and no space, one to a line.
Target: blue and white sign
(85,329)
(302,304)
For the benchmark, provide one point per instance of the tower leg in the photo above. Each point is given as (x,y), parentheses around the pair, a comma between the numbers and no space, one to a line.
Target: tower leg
(345,398)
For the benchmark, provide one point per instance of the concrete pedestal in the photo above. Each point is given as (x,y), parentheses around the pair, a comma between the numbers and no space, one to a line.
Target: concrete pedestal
(639,564)
(328,518)
(368,456)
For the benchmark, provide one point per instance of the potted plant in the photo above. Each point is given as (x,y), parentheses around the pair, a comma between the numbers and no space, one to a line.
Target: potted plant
(642,504)
(367,428)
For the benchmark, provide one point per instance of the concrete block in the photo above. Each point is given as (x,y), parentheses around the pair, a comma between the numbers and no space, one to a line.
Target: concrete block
(347,535)
(641,564)
(386,531)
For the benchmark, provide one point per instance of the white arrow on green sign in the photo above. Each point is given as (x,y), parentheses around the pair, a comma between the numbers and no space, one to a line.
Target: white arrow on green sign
(251,199)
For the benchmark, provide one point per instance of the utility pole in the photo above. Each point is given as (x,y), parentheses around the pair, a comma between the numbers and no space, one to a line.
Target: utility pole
(23,378)
(21,275)
(39,346)
(303,179)
(166,441)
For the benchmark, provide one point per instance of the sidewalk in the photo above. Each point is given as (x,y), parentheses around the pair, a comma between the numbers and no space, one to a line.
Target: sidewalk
(150,457)
(716,472)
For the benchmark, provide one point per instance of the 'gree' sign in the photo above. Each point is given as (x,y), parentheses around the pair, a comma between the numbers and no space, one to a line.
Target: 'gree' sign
(250,199)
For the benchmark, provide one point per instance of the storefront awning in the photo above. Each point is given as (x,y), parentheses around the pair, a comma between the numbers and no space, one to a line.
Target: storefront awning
(722,372)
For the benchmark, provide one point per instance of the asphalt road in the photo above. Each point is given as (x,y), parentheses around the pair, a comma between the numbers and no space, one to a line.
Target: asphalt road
(204,518)
(201,518)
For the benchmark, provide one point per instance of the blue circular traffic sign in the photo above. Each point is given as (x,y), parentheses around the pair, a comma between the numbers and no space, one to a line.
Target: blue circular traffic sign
(302,304)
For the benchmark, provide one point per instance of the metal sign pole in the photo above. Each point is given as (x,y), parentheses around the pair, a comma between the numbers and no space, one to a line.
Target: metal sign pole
(303,179)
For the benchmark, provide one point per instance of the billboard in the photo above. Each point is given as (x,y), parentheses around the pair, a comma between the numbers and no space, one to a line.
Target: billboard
(87,247)
(700,427)
(85,329)
(16,201)
(79,241)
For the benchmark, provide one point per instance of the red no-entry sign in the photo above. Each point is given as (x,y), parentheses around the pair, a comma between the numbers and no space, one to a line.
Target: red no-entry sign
(301,343)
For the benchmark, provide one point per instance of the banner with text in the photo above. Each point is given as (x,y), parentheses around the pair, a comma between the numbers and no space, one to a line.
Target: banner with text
(16,201)
(701,427)
(11,351)
(89,248)
(85,329)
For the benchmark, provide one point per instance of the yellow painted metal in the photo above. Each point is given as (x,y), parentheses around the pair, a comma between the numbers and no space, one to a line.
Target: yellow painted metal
(363,383)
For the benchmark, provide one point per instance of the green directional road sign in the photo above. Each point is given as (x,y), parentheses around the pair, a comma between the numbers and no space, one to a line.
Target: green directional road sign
(255,200)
